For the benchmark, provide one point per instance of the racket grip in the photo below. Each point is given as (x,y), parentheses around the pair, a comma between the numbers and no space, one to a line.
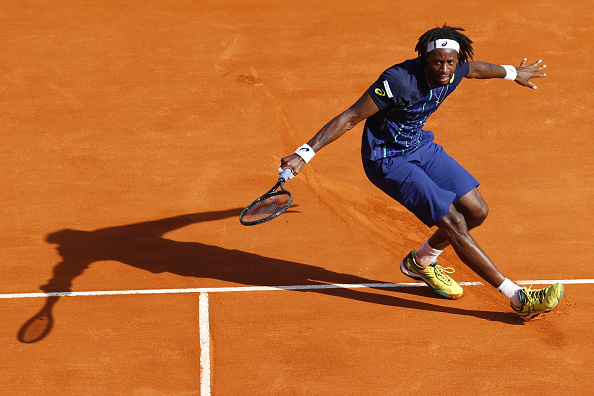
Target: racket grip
(286,174)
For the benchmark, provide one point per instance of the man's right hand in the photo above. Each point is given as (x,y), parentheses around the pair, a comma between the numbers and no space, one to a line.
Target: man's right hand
(293,162)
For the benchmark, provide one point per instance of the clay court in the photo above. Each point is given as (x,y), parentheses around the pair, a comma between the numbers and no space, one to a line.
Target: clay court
(135,133)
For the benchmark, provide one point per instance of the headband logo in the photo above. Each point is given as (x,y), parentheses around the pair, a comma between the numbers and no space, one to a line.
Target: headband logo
(443,43)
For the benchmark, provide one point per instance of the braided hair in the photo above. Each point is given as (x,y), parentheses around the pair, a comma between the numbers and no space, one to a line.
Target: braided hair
(446,32)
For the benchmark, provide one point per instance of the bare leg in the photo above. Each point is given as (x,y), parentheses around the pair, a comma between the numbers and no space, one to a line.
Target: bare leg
(469,212)
(474,209)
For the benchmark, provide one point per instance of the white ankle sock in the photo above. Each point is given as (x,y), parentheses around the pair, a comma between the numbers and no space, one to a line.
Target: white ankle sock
(510,290)
(426,255)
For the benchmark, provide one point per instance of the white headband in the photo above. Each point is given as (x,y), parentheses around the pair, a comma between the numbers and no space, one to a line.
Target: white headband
(443,43)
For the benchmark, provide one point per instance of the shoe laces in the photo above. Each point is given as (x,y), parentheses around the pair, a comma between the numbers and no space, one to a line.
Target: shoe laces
(532,295)
(442,273)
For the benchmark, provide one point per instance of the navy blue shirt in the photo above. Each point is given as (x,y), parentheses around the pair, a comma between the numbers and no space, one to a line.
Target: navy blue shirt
(405,101)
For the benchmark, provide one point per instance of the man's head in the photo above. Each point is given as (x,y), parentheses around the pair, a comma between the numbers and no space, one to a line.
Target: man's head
(440,50)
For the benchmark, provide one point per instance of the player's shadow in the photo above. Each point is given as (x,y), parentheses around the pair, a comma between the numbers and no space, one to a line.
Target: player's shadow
(143,246)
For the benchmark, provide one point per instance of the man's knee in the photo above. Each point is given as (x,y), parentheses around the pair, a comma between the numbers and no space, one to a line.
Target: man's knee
(453,223)
(478,215)
(474,208)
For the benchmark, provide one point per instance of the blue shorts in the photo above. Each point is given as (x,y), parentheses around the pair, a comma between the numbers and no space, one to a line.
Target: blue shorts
(426,181)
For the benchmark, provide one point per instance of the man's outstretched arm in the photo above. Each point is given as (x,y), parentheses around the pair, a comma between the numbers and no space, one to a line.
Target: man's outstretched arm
(523,73)
(364,107)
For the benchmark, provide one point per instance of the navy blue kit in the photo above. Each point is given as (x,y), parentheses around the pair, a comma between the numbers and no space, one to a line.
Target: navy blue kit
(399,156)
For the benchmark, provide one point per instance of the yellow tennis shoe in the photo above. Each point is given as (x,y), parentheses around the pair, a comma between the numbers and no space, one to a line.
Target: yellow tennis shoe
(535,302)
(435,276)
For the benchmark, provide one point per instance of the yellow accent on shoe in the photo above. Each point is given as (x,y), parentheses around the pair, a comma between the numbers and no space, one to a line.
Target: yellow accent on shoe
(435,276)
(535,302)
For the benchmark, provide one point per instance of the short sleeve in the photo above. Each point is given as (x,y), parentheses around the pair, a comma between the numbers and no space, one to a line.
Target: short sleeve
(462,71)
(397,86)
(381,93)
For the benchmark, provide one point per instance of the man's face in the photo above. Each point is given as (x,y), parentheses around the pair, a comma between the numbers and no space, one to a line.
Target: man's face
(440,65)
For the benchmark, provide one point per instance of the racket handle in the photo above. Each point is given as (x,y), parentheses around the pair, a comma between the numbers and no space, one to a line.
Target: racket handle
(286,174)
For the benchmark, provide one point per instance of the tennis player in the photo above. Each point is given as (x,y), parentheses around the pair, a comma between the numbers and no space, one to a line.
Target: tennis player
(401,159)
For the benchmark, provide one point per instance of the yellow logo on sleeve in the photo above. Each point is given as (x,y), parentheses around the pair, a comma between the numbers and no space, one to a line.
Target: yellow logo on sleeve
(379,92)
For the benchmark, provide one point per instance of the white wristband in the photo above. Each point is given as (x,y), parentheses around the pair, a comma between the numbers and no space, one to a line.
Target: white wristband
(510,72)
(305,152)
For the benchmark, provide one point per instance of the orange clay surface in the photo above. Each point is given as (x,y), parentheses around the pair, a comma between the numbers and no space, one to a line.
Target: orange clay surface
(134,132)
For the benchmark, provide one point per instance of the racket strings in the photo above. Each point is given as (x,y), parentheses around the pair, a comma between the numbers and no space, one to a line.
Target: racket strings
(266,207)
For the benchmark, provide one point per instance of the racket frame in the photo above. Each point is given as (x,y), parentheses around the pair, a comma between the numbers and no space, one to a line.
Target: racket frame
(271,193)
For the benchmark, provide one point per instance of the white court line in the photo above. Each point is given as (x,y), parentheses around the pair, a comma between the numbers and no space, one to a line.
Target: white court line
(222,289)
(270,288)
(203,305)
(204,327)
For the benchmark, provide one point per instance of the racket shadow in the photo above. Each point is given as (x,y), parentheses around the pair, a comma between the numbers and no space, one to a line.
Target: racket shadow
(40,325)
(143,246)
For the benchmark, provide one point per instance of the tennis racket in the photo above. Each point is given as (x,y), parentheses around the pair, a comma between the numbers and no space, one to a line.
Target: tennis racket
(270,205)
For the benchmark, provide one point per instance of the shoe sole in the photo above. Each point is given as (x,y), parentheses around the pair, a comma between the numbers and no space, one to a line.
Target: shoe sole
(526,318)
(414,276)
